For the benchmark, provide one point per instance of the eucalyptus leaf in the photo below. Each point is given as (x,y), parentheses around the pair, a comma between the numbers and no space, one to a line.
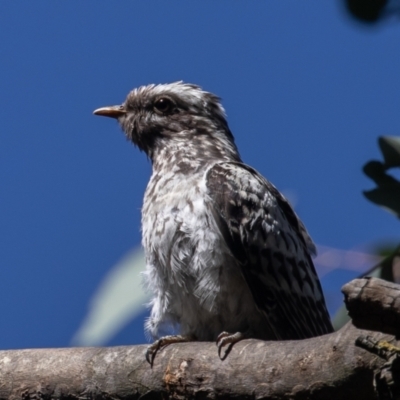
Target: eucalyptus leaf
(118,300)
(387,196)
(390,147)
(376,170)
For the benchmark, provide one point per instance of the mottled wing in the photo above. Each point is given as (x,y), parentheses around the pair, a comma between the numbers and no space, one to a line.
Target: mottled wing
(273,250)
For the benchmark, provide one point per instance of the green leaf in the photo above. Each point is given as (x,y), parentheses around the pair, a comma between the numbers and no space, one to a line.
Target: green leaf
(377,172)
(118,299)
(387,196)
(390,147)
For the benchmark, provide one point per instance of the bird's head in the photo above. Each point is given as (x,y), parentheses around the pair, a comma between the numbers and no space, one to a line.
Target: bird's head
(172,117)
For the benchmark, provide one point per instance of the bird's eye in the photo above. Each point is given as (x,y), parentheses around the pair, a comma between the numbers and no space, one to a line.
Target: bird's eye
(163,105)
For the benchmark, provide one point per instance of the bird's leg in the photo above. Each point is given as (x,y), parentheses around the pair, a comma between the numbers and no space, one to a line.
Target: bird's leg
(165,341)
(229,339)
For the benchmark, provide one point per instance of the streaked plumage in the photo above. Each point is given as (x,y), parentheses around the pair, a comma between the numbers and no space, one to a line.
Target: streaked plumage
(224,249)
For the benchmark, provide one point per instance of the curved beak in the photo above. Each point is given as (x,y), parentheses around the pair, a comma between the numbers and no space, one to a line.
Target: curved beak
(112,111)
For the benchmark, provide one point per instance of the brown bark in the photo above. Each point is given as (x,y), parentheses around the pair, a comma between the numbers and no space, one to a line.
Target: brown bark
(325,367)
(373,304)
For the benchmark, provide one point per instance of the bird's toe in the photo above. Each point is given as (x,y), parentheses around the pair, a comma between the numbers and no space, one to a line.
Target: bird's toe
(228,339)
(162,342)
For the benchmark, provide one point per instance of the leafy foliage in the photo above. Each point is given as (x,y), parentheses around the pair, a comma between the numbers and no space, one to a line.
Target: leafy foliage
(387,193)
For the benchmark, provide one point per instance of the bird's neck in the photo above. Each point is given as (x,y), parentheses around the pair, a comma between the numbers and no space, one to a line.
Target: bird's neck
(185,156)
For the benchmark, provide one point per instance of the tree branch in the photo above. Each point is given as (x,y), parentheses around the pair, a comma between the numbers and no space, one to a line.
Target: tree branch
(325,367)
(373,304)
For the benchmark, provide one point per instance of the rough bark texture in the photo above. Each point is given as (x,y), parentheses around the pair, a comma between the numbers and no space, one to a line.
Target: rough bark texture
(374,304)
(325,367)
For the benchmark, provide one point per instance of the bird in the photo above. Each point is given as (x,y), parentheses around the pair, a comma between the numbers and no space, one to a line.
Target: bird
(227,258)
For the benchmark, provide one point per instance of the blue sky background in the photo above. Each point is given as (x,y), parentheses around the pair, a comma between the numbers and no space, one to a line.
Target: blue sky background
(307,92)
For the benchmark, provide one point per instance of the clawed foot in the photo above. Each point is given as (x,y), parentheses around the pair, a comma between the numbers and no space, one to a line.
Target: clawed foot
(228,339)
(164,341)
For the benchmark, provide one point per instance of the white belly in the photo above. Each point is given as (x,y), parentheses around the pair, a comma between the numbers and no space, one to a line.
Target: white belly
(197,284)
